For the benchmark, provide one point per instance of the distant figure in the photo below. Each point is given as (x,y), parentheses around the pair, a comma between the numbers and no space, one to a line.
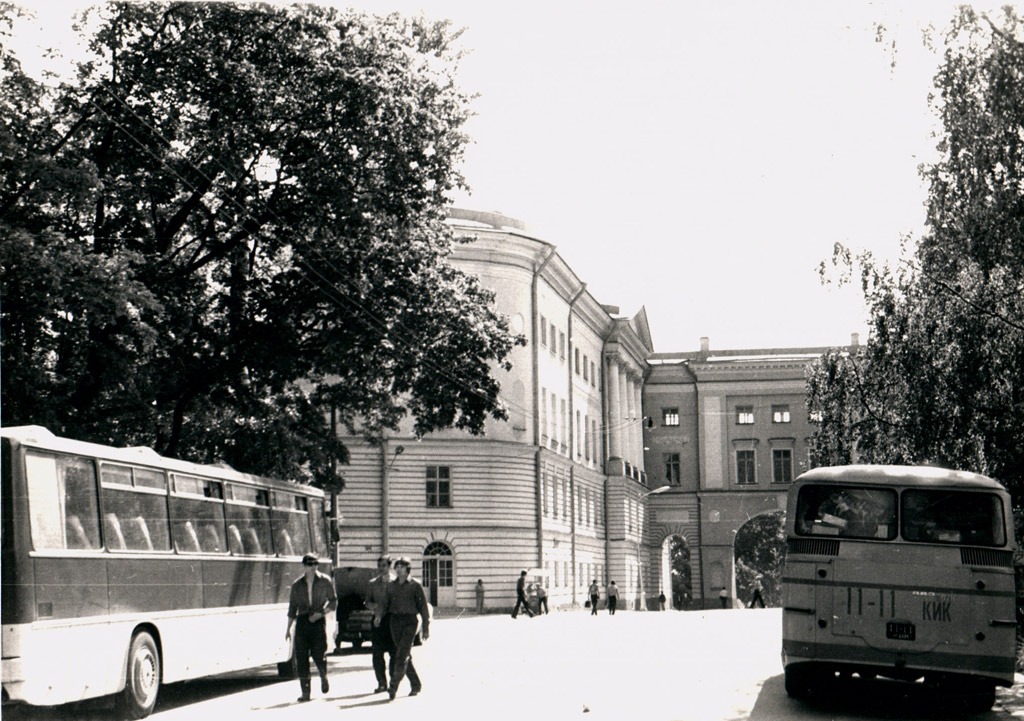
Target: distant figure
(521,600)
(479,595)
(594,595)
(723,596)
(661,601)
(758,588)
(405,600)
(312,596)
(542,598)
(613,597)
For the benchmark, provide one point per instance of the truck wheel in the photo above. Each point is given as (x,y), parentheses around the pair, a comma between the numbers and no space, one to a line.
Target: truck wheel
(142,679)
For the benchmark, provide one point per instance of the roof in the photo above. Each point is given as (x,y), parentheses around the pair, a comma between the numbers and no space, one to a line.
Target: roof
(900,476)
(42,438)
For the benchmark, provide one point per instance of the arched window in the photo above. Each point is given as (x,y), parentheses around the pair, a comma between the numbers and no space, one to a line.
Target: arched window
(437,566)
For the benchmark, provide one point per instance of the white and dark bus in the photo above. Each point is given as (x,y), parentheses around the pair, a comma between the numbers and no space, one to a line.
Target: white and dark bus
(123,570)
(902,572)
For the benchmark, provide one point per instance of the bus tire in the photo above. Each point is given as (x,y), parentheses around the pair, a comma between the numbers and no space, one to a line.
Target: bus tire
(979,697)
(798,681)
(142,678)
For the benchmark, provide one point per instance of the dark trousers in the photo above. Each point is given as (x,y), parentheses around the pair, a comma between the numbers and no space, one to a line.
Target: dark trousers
(522,602)
(542,604)
(310,640)
(757,598)
(612,600)
(403,631)
(593,605)
(380,637)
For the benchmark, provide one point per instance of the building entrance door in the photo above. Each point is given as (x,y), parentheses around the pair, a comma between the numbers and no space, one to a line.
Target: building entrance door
(439,574)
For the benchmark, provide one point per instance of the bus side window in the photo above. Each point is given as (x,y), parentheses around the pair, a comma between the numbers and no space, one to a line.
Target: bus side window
(62,488)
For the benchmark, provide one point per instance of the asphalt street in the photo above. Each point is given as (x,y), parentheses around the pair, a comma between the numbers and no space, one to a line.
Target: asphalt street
(692,666)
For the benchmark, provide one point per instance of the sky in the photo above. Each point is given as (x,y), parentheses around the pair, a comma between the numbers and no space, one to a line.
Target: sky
(701,159)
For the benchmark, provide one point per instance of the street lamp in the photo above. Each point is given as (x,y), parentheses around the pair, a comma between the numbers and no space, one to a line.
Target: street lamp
(659,489)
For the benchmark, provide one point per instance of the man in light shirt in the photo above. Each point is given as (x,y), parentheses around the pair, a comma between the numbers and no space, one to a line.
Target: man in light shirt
(405,600)
(312,597)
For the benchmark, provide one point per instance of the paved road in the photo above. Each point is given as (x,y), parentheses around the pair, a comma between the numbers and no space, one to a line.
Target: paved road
(716,665)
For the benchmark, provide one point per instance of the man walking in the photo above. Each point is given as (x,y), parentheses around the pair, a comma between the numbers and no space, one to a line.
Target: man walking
(380,633)
(613,597)
(405,599)
(521,600)
(758,596)
(595,594)
(312,597)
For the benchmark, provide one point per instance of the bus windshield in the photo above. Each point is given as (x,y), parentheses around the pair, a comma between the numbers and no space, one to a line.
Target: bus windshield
(846,511)
(943,516)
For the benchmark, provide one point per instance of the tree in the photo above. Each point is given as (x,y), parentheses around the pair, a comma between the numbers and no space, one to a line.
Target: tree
(941,379)
(760,550)
(233,220)
(679,567)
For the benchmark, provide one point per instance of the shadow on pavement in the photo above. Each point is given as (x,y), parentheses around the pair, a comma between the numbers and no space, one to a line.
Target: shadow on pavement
(858,698)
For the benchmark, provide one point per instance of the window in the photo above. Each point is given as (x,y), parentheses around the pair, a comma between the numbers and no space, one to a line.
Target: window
(579,437)
(544,332)
(671,461)
(437,565)
(248,517)
(593,374)
(554,334)
(316,522)
(134,509)
(576,360)
(745,415)
(941,516)
(847,511)
(745,467)
(561,345)
(586,375)
(780,414)
(586,436)
(543,413)
(563,430)
(197,515)
(291,525)
(670,416)
(439,487)
(782,465)
(554,422)
(63,508)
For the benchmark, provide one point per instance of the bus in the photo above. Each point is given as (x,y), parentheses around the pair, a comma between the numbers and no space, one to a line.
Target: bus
(123,570)
(901,572)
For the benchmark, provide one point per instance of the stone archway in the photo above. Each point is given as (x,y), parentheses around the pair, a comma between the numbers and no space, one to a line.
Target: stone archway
(759,549)
(676,576)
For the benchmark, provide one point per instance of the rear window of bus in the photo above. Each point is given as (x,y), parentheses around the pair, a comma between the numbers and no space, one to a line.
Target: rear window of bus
(944,516)
(846,512)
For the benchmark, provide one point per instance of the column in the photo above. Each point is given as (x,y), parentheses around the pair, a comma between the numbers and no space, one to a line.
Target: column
(630,454)
(623,419)
(638,389)
(613,420)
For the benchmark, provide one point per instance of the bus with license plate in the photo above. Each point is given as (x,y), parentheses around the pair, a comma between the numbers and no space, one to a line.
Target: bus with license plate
(123,570)
(902,572)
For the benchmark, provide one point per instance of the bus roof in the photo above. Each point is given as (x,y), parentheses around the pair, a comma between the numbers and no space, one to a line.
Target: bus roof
(900,476)
(42,438)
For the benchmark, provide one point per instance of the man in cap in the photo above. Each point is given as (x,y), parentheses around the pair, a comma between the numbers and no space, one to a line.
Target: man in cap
(312,597)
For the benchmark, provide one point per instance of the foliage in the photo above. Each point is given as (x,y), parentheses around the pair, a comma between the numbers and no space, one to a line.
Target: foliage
(941,379)
(679,566)
(233,220)
(760,550)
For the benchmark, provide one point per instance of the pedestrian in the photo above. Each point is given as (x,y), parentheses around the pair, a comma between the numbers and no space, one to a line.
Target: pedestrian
(479,595)
(405,600)
(380,632)
(312,597)
(521,600)
(723,596)
(542,598)
(758,589)
(661,601)
(595,593)
(613,597)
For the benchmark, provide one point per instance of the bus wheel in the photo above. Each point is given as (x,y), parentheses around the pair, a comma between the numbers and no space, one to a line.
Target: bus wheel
(142,680)
(979,697)
(797,681)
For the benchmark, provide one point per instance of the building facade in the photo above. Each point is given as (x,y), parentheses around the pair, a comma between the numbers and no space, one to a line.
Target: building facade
(611,452)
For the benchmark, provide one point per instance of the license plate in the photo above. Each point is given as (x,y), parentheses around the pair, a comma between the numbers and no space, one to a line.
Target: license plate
(900,631)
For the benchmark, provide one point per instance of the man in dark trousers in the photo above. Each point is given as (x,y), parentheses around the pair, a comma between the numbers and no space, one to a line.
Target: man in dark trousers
(312,597)
(521,600)
(380,634)
(405,600)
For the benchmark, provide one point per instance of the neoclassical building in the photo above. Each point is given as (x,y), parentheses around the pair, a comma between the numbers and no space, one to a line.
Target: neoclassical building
(557,489)
(610,454)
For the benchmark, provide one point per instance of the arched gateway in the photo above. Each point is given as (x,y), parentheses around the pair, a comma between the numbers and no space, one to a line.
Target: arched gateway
(676,579)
